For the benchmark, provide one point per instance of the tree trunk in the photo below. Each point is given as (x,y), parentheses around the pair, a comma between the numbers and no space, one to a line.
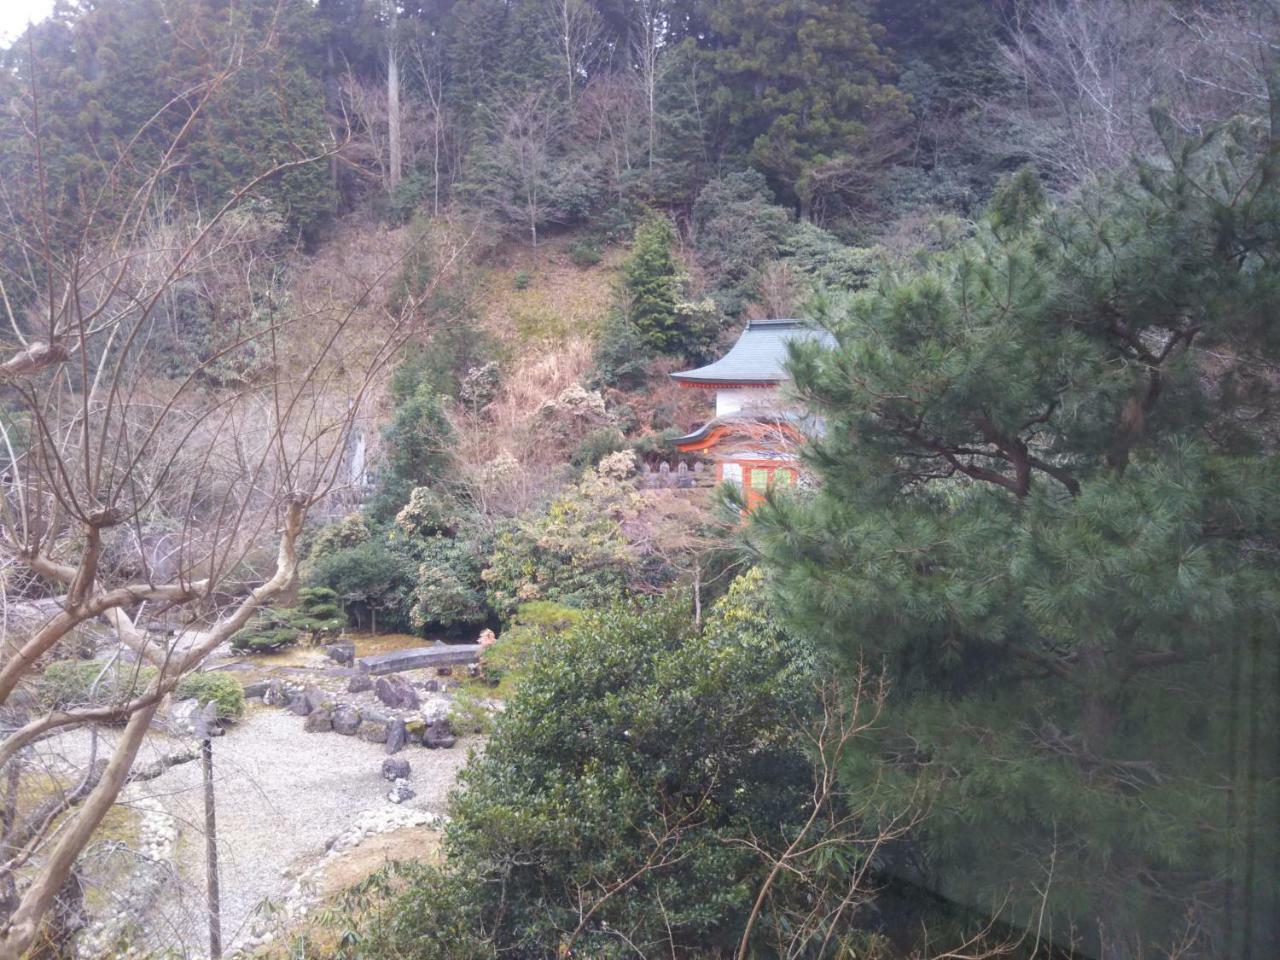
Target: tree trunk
(393,114)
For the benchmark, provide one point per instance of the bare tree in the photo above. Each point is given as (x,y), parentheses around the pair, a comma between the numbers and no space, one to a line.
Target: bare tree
(394,163)
(647,46)
(578,34)
(1088,73)
(102,434)
(525,167)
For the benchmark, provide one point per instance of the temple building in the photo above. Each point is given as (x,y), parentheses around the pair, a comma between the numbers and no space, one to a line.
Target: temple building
(753,440)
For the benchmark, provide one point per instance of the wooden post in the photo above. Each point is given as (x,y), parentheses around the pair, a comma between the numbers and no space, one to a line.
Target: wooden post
(204,729)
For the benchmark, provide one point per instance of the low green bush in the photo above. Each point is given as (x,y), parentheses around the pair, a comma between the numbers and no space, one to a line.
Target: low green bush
(534,623)
(222,688)
(67,683)
(522,280)
(585,253)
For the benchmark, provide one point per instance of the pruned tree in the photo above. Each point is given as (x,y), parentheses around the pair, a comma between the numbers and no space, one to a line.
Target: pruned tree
(105,433)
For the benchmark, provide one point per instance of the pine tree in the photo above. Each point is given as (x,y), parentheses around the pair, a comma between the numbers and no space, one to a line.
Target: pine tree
(1048,503)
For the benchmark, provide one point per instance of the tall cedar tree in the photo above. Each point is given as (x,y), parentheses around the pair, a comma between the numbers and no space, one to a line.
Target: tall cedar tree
(1048,502)
(800,84)
(651,283)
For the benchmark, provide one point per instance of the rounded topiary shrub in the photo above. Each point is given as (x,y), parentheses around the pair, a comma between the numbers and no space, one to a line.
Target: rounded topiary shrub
(222,688)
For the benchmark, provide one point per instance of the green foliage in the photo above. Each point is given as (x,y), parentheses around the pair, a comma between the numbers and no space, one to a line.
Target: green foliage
(449,591)
(737,230)
(507,660)
(597,444)
(315,617)
(585,253)
(418,440)
(522,280)
(622,354)
(802,85)
(350,531)
(216,686)
(78,683)
(1018,199)
(467,715)
(372,580)
(1036,495)
(629,723)
(651,281)
(575,553)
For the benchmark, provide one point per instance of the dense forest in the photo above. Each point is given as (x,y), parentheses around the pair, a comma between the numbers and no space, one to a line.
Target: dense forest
(363,312)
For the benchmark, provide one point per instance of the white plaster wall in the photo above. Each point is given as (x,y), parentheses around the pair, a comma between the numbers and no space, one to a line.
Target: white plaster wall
(745,398)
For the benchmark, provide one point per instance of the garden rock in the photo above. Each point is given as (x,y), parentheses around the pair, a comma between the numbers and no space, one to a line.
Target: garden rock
(360,683)
(318,699)
(400,792)
(346,720)
(375,731)
(319,721)
(300,705)
(397,736)
(396,693)
(342,653)
(394,769)
(431,686)
(275,695)
(439,735)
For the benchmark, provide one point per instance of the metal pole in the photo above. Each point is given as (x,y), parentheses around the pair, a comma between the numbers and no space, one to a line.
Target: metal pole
(211,840)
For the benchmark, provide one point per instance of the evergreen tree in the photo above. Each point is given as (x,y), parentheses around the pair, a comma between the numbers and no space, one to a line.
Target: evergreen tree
(1048,502)
(801,85)
(652,282)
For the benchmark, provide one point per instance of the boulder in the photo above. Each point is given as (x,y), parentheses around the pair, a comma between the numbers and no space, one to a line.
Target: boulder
(300,705)
(319,721)
(397,736)
(318,699)
(431,686)
(360,683)
(253,691)
(444,671)
(400,792)
(396,693)
(375,731)
(343,652)
(394,769)
(346,720)
(439,735)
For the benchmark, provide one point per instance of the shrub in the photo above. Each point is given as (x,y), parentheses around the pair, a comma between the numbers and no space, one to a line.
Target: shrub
(67,683)
(217,686)
(522,280)
(449,591)
(597,444)
(632,721)
(585,253)
(505,662)
(315,617)
(468,715)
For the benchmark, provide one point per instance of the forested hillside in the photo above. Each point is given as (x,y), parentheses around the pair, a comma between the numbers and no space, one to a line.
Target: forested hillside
(379,302)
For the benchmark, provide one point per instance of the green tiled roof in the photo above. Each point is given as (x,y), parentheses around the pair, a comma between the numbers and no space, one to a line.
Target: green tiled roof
(758,356)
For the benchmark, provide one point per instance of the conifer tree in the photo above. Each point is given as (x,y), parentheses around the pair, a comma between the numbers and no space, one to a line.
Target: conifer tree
(651,282)
(1048,503)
